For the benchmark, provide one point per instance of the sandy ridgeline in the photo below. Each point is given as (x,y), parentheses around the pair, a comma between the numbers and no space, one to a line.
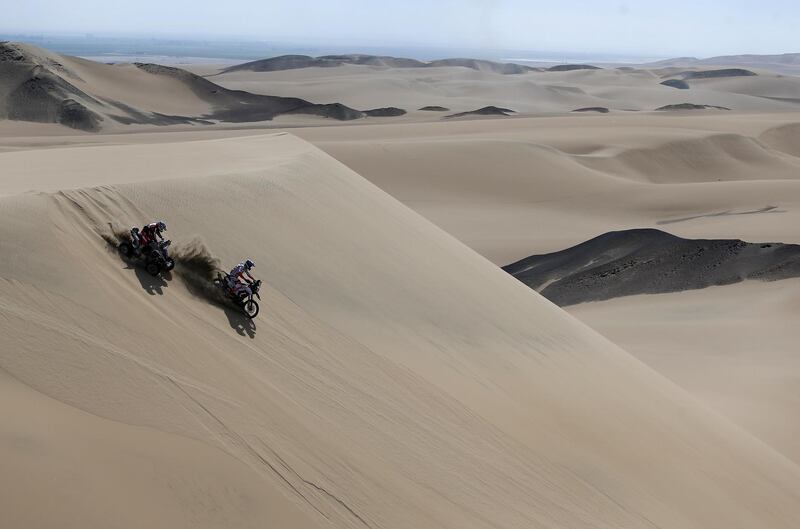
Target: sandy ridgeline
(395,378)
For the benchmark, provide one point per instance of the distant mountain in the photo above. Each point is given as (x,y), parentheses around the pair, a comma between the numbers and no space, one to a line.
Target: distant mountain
(293,62)
(483,66)
(785,63)
(40,86)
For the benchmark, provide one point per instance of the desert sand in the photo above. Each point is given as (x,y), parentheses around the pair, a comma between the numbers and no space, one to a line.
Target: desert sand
(566,180)
(397,377)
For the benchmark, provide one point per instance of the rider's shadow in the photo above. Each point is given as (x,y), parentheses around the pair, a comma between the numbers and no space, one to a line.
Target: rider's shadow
(202,286)
(151,284)
(240,323)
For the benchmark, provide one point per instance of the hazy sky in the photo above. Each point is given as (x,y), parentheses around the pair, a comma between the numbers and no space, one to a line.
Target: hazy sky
(648,28)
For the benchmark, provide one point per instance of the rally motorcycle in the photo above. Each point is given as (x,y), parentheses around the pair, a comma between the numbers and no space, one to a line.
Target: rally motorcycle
(241,295)
(156,257)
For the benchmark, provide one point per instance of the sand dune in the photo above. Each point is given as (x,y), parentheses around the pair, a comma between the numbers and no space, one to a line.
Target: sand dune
(735,347)
(514,187)
(518,187)
(63,467)
(396,379)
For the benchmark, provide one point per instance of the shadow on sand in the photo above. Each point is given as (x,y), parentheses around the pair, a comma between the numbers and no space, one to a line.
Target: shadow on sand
(240,323)
(153,285)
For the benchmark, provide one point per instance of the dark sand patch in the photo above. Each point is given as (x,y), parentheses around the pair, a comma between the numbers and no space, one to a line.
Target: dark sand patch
(292,62)
(572,67)
(649,261)
(485,111)
(385,112)
(602,110)
(676,83)
(689,106)
(715,74)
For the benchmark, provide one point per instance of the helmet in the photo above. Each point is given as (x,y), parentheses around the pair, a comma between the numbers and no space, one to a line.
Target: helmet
(161,225)
(248,264)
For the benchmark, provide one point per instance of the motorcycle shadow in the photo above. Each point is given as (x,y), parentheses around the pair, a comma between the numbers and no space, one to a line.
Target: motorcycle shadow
(153,285)
(240,323)
(202,287)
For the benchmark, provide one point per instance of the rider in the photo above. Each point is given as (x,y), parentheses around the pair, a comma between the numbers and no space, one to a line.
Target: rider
(148,235)
(240,276)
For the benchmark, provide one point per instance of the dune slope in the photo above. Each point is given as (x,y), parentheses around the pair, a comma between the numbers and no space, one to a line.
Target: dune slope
(394,378)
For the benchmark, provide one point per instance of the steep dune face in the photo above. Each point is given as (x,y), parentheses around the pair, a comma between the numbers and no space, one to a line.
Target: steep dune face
(394,378)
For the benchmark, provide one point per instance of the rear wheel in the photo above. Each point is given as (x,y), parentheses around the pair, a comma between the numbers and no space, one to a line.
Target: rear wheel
(250,308)
(152,268)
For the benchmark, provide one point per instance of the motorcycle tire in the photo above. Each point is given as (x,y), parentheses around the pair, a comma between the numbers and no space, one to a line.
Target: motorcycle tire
(152,268)
(250,308)
(125,249)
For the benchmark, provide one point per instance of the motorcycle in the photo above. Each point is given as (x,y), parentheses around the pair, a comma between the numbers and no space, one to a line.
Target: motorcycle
(242,297)
(155,259)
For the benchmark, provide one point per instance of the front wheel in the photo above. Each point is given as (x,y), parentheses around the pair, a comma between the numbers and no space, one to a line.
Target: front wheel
(250,308)
(152,268)
(125,249)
